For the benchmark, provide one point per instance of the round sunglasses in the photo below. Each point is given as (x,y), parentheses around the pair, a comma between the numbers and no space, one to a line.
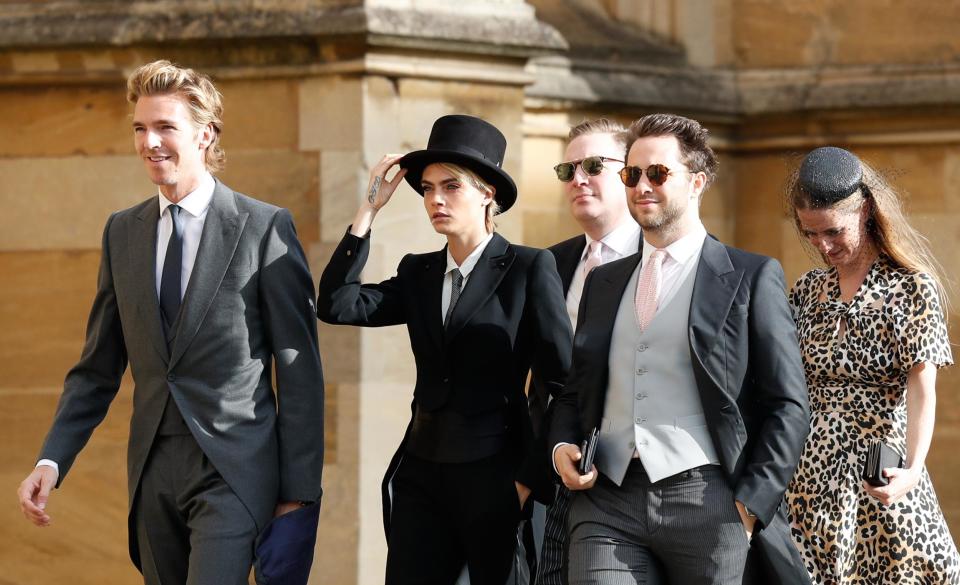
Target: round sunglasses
(657,175)
(592,165)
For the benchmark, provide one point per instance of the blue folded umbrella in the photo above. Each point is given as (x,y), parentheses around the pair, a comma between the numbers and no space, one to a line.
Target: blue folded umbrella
(284,550)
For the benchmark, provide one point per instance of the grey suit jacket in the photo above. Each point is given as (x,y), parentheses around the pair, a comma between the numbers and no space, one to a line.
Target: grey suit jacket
(248,309)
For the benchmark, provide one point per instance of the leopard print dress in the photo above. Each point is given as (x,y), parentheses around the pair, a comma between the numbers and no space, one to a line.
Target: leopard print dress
(857,356)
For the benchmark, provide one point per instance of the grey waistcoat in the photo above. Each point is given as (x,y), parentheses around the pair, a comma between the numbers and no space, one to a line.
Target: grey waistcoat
(653,406)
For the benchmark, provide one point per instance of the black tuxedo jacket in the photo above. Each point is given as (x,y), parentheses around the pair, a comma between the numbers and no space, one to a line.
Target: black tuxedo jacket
(510,317)
(749,373)
(567,255)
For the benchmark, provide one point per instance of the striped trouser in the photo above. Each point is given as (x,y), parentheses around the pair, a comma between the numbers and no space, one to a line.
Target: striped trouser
(552,567)
(684,529)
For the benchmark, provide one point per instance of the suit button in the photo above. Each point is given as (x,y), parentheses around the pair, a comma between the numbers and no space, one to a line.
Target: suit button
(446,380)
(349,252)
(171,378)
(639,420)
(632,445)
(642,347)
(641,371)
(641,395)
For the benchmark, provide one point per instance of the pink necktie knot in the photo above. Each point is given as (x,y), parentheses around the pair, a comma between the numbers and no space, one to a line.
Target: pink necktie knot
(594,258)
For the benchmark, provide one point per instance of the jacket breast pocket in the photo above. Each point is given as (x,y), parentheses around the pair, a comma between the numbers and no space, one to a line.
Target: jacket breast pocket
(234,281)
(736,322)
(738,309)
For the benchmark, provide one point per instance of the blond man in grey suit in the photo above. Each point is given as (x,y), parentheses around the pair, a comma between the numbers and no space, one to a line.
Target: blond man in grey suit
(205,293)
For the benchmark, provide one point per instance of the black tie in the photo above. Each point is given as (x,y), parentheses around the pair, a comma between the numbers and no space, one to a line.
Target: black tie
(172,264)
(454,294)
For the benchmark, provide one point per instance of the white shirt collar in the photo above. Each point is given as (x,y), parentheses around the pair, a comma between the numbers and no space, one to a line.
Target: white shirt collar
(623,239)
(470,261)
(682,249)
(197,201)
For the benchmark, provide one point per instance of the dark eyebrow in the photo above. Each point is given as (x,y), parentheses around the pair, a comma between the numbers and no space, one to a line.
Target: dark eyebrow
(443,182)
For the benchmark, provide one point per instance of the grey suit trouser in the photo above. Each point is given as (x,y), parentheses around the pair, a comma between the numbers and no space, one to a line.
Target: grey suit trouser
(191,527)
(684,529)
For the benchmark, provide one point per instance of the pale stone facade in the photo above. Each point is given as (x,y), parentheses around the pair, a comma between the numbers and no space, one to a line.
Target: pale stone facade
(317,90)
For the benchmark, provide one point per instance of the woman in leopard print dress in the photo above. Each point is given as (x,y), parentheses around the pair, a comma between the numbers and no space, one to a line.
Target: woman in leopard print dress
(872,332)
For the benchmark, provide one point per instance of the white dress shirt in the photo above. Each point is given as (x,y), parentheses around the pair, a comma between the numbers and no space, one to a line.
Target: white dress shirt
(465,269)
(195,205)
(622,241)
(682,256)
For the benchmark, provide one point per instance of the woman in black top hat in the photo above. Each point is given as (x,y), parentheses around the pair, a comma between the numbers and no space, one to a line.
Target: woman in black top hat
(873,333)
(480,313)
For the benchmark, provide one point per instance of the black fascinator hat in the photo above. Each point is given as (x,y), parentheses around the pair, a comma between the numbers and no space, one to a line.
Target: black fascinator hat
(829,174)
(469,142)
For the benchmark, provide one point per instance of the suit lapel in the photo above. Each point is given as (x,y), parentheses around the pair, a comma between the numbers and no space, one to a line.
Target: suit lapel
(218,242)
(606,292)
(431,288)
(568,258)
(483,281)
(143,263)
(715,286)
(607,285)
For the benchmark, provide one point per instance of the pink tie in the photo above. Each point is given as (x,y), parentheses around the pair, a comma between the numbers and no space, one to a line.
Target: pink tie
(594,258)
(648,288)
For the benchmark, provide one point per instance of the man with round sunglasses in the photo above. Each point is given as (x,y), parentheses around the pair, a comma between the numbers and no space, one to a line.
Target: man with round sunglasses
(686,362)
(593,155)
(656,173)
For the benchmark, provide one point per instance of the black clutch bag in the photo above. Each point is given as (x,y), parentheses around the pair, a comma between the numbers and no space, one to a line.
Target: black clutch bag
(587,450)
(879,457)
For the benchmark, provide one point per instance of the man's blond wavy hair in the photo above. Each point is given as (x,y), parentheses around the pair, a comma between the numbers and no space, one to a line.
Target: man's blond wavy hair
(203,100)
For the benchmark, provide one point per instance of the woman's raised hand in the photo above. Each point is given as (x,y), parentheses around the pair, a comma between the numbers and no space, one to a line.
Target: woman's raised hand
(379,191)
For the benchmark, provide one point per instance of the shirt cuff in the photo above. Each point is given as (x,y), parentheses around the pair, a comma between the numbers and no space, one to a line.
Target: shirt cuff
(50,463)
(553,457)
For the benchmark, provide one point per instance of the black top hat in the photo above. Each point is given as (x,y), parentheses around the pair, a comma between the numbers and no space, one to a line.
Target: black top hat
(470,142)
(830,174)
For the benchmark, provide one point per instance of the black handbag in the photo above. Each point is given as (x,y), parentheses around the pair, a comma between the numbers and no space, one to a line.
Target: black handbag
(879,457)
